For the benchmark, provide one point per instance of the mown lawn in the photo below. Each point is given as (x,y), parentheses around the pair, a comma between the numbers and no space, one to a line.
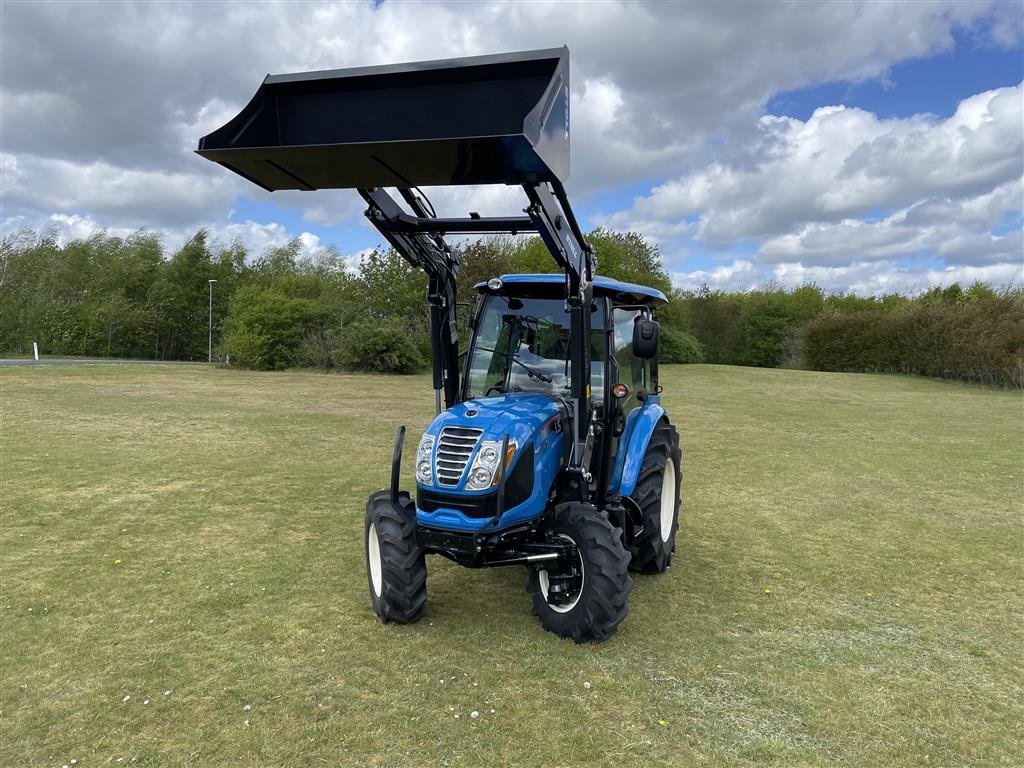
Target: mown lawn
(183,584)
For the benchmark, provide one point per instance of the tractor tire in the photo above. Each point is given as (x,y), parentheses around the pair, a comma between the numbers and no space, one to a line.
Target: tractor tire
(396,568)
(657,497)
(595,601)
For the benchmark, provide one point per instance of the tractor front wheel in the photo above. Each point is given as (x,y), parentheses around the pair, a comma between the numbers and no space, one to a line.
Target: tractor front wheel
(395,566)
(584,599)
(657,497)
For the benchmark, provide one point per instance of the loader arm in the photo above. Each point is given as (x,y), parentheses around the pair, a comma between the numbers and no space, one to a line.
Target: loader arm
(419,239)
(501,119)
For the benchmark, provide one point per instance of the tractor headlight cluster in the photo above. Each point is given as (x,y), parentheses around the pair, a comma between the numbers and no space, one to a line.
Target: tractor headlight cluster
(424,470)
(484,472)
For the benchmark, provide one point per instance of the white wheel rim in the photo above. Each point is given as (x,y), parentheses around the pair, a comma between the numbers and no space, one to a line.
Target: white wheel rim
(373,549)
(545,583)
(668,499)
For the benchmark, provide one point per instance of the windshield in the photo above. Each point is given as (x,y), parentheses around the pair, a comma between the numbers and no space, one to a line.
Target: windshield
(522,345)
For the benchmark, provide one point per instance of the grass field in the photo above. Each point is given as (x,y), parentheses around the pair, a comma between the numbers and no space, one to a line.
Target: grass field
(183,584)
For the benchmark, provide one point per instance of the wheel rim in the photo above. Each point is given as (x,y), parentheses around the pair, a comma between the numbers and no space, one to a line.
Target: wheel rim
(668,499)
(373,551)
(545,582)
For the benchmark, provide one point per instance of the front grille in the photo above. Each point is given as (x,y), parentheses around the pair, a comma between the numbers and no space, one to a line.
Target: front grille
(454,447)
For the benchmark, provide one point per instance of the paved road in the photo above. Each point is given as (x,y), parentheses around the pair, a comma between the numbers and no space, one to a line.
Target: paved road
(92,361)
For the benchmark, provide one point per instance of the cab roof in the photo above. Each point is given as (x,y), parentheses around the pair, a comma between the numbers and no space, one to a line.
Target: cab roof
(618,291)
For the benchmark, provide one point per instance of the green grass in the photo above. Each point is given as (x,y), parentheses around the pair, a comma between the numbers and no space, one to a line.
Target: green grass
(847,588)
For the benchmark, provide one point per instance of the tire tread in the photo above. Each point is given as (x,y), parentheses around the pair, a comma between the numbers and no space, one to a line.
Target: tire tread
(606,565)
(403,596)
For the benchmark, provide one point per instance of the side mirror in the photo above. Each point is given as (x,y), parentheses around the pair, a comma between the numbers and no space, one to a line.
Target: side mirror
(645,338)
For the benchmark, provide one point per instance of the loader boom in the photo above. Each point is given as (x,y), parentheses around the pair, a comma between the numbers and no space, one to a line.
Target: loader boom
(500,119)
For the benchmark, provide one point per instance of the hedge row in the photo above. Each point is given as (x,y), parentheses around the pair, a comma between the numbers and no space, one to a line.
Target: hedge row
(980,342)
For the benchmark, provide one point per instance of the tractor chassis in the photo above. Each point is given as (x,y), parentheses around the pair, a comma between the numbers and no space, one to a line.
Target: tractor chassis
(517,545)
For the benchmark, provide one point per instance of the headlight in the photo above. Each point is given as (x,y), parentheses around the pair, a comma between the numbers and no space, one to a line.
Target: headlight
(424,451)
(480,477)
(483,473)
(489,455)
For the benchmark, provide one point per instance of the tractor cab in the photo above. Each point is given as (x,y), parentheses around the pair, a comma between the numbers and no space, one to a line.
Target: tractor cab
(552,449)
(522,331)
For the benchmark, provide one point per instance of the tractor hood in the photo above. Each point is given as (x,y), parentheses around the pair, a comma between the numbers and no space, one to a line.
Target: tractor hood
(527,419)
(519,415)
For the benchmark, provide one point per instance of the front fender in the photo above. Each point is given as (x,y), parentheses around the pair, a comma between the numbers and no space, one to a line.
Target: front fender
(640,426)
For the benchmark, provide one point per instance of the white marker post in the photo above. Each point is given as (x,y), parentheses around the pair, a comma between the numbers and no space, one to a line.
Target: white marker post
(35,349)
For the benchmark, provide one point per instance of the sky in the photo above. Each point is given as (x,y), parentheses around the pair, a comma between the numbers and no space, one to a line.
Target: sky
(863,146)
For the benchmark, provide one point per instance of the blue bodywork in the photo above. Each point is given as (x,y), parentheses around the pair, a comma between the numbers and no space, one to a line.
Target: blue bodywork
(527,419)
(537,420)
(533,419)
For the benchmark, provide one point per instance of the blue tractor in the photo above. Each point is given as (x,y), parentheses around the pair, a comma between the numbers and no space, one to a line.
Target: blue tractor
(551,448)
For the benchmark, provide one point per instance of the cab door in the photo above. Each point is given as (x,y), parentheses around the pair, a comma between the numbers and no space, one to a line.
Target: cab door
(630,370)
(624,368)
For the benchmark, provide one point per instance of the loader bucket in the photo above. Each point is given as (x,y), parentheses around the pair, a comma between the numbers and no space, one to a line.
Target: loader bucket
(500,119)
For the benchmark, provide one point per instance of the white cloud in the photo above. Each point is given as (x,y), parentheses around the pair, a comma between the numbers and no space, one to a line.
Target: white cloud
(327,208)
(805,189)
(740,275)
(103,104)
(959,231)
(125,196)
(873,279)
(257,237)
(839,163)
(125,83)
(74,227)
(487,200)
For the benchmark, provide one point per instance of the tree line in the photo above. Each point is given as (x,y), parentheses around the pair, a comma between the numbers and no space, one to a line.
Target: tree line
(127,297)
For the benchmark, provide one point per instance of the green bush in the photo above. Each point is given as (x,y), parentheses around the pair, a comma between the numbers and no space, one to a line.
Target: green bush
(384,348)
(678,347)
(265,326)
(981,341)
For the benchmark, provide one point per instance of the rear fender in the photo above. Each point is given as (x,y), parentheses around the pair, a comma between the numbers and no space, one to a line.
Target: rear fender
(640,425)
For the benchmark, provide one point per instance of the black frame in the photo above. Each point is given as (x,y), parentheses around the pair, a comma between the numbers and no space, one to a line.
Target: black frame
(419,239)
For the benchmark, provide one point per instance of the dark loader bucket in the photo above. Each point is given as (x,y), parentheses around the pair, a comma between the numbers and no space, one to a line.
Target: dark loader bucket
(500,119)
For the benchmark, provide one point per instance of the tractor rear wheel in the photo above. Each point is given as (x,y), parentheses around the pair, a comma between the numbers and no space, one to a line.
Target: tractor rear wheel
(585,599)
(657,497)
(396,568)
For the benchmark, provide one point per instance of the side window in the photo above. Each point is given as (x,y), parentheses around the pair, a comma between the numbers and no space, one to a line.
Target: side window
(632,370)
(485,369)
